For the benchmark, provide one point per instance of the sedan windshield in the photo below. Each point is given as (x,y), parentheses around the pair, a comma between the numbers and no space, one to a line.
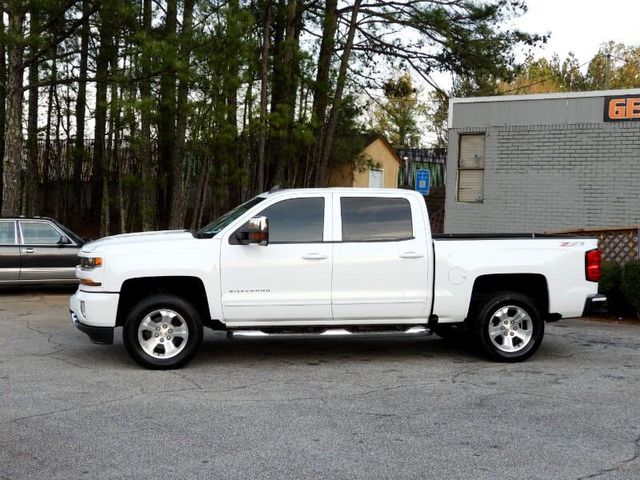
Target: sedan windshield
(217,225)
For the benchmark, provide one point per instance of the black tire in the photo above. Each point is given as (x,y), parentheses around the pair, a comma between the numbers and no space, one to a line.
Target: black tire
(187,315)
(508,306)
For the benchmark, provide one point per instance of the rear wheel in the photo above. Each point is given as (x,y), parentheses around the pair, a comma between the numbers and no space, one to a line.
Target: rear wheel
(509,327)
(162,332)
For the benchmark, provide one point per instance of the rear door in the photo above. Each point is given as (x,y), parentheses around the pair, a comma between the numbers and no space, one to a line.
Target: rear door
(287,282)
(381,264)
(9,251)
(43,255)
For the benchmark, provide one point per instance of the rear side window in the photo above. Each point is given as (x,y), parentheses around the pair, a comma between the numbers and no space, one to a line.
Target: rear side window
(371,219)
(39,233)
(7,233)
(297,220)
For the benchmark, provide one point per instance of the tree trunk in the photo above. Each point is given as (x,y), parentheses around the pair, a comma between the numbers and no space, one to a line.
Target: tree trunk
(81,103)
(3,96)
(47,142)
(283,88)
(322,85)
(13,132)
(180,193)
(99,184)
(149,193)
(31,205)
(115,134)
(167,111)
(323,174)
(264,79)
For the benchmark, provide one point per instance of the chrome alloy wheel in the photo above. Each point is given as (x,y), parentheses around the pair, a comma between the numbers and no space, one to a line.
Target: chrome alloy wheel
(163,334)
(510,328)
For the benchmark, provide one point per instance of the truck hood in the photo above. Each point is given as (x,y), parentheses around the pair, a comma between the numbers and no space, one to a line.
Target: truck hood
(138,238)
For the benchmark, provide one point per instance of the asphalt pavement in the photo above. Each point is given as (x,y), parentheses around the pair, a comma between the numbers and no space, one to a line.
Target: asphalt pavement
(335,408)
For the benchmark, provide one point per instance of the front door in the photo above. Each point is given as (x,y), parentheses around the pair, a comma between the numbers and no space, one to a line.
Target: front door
(375,178)
(9,252)
(44,257)
(287,281)
(381,265)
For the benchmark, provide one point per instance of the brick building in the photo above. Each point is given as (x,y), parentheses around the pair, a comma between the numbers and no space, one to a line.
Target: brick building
(543,162)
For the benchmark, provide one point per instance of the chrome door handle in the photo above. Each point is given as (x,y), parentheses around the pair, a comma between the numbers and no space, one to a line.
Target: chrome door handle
(315,256)
(28,250)
(411,255)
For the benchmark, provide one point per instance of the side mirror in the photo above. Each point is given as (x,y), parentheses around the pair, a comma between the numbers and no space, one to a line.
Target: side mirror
(257,231)
(63,240)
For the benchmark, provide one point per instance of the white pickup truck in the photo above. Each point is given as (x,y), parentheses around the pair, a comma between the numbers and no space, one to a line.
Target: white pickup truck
(329,261)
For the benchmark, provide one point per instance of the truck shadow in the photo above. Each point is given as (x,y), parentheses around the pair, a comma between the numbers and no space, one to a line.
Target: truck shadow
(317,350)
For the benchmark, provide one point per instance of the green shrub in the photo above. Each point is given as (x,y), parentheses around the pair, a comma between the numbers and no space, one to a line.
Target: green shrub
(630,284)
(610,279)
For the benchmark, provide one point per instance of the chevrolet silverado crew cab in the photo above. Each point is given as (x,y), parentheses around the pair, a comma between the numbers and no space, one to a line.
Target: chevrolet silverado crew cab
(329,261)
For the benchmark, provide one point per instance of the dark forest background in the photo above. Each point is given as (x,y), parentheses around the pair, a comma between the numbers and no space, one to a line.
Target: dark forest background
(144,114)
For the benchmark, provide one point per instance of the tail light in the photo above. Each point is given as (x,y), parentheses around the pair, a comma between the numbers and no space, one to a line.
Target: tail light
(592,264)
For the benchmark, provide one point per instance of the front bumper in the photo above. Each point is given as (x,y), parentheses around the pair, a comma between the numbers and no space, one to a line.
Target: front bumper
(99,335)
(95,314)
(595,304)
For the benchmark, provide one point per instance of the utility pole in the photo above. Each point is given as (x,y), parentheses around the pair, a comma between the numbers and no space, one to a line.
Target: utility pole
(607,71)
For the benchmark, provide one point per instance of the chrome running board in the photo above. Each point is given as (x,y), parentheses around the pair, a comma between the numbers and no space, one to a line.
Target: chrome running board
(337,332)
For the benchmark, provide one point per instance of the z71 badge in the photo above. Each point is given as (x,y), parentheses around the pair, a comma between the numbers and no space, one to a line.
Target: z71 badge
(571,244)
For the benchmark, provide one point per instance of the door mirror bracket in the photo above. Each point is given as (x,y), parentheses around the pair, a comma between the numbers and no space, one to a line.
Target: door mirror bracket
(63,240)
(256,232)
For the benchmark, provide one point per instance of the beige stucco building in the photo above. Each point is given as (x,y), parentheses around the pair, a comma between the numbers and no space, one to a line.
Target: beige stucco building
(377,167)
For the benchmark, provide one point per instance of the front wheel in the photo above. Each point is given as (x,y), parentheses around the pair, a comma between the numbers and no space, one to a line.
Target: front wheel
(162,332)
(509,327)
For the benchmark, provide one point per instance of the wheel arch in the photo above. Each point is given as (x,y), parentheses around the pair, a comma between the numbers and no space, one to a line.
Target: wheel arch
(189,288)
(533,285)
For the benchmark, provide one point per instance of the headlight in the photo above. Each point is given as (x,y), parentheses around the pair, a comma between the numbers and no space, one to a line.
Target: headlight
(89,263)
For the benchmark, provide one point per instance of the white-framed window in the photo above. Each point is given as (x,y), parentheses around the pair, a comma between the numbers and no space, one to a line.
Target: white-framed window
(471,168)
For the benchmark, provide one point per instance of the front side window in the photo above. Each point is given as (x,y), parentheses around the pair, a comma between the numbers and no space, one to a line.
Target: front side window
(39,233)
(371,219)
(471,169)
(7,233)
(228,218)
(297,220)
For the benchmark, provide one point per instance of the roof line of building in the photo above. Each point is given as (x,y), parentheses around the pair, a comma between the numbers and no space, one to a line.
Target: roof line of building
(538,96)
(547,96)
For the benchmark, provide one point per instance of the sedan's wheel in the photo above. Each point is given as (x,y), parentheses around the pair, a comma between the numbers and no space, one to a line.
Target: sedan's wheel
(162,331)
(509,327)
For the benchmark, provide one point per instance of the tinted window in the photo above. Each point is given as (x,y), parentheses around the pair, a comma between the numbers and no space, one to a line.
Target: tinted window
(298,220)
(7,233)
(39,233)
(367,219)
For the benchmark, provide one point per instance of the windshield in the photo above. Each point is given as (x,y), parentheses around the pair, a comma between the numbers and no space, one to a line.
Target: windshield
(217,225)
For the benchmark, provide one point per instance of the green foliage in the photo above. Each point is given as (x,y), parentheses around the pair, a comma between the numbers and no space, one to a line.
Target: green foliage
(630,283)
(350,136)
(615,66)
(610,279)
(180,86)
(609,285)
(396,117)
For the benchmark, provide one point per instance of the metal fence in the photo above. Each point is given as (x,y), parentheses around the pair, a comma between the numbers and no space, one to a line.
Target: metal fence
(433,159)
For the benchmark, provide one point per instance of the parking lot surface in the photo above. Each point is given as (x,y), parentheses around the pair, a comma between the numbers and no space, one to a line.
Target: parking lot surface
(314,408)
